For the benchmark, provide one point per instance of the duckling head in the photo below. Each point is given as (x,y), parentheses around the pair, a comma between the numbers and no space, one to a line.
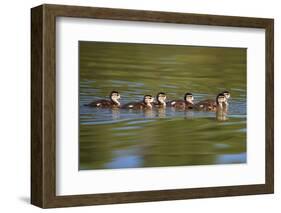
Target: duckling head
(161,97)
(221,99)
(148,99)
(226,94)
(115,96)
(188,97)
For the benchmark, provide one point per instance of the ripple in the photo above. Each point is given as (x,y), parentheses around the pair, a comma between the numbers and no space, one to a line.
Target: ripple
(125,128)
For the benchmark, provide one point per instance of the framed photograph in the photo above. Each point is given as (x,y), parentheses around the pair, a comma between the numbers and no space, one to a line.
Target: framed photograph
(136,106)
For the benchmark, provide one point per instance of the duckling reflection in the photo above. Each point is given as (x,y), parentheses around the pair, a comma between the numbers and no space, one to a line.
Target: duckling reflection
(115,113)
(111,103)
(189,115)
(174,110)
(221,115)
(161,112)
(148,113)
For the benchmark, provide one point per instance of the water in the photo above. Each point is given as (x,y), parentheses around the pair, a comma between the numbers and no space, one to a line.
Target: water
(115,138)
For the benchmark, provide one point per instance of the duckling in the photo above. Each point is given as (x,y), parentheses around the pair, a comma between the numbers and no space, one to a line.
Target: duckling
(222,107)
(210,104)
(161,97)
(145,104)
(113,102)
(186,103)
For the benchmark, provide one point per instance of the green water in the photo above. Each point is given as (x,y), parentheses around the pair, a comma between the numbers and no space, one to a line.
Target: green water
(113,138)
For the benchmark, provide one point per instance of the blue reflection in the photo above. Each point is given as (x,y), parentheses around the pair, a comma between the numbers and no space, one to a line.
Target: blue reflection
(232,158)
(125,160)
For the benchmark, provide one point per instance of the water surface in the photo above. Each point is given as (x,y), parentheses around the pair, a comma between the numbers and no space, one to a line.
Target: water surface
(113,138)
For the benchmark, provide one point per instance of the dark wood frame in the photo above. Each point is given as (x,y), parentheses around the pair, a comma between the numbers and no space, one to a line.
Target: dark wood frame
(43,105)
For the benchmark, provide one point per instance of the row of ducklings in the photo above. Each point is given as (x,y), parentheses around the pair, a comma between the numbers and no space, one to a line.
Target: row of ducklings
(220,102)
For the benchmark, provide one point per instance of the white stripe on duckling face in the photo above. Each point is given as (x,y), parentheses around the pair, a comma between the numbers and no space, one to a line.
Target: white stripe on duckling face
(115,99)
(162,99)
(189,98)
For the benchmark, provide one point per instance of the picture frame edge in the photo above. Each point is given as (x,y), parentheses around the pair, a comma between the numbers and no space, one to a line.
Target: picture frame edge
(43,174)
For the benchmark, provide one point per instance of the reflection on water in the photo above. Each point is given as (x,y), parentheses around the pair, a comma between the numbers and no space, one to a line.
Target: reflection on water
(118,138)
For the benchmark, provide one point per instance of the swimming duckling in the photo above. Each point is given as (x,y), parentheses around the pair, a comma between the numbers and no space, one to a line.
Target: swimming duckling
(113,102)
(209,104)
(145,104)
(222,107)
(161,97)
(186,103)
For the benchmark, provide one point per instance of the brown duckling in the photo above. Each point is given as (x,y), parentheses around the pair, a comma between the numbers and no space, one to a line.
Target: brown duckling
(145,104)
(161,100)
(112,102)
(186,103)
(210,104)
